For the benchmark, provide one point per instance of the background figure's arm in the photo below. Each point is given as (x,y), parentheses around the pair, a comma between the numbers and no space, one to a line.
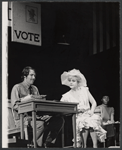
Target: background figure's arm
(112,115)
(92,101)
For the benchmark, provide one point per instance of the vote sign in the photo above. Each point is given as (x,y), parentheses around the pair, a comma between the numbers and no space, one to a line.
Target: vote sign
(26,23)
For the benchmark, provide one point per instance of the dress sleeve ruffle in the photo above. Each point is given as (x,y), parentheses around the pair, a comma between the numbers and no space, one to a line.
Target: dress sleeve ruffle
(65,97)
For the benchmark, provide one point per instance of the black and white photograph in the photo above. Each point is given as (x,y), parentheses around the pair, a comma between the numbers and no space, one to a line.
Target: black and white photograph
(61,74)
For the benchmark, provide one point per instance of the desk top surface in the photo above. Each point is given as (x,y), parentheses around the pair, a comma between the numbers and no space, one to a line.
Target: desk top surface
(47,106)
(41,101)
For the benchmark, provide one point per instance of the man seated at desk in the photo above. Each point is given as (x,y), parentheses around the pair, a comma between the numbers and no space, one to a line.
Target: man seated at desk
(25,90)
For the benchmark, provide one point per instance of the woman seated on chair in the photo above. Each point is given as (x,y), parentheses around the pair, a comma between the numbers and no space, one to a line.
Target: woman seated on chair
(107,115)
(85,118)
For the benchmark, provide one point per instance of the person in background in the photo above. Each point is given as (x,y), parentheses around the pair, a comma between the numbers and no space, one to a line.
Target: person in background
(25,91)
(85,118)
(107,115)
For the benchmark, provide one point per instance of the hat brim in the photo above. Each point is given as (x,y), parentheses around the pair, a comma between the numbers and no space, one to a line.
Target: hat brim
(65,76)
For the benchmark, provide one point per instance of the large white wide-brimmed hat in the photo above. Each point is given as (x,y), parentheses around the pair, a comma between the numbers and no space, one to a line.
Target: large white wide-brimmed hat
(74,72)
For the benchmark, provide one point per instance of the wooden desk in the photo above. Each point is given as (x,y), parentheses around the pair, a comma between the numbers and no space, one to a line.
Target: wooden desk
(34,105)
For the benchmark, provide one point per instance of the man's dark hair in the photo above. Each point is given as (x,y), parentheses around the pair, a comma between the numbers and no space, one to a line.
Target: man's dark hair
(25,72)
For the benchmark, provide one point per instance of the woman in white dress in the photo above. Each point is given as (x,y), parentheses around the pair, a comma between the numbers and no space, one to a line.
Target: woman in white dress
(85,118)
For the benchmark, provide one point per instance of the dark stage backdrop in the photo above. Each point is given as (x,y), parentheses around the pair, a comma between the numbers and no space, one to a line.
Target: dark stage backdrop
(51,59)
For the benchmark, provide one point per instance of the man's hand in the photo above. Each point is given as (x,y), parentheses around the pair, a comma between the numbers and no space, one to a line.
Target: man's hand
(110,122)
(26,98)
(27,120)
(45,118)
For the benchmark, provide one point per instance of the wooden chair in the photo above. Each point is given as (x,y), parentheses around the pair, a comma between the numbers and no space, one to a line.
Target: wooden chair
(13,131)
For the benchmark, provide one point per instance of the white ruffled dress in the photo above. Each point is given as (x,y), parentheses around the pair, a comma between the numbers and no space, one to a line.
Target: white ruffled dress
(84,120)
